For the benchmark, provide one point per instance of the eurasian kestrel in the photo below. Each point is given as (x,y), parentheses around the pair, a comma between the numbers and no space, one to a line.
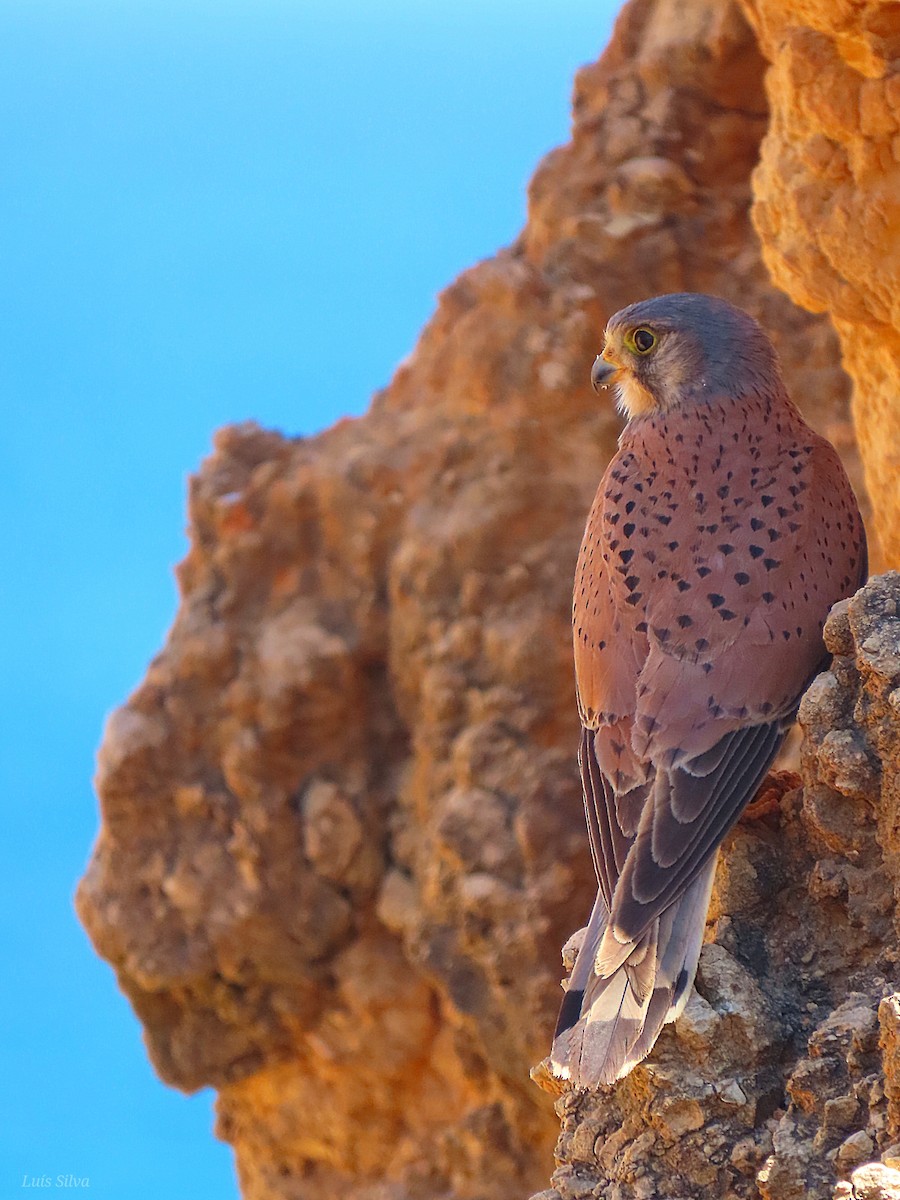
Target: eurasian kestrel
(722,532)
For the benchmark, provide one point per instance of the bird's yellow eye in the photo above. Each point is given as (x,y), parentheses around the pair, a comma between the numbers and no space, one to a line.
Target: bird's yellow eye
(641,340)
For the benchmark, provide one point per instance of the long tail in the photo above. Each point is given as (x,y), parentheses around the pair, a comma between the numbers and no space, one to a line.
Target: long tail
(608,1024)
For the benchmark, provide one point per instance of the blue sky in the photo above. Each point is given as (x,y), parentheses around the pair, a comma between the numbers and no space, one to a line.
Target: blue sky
(210,211)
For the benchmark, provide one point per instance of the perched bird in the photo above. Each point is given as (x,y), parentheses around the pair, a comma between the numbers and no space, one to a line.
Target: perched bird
(723,531)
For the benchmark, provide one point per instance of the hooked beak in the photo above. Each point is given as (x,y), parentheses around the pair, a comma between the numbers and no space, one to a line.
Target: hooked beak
(603,373)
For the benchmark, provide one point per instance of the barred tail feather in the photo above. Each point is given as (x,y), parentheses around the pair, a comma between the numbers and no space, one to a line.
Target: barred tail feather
(609,1023)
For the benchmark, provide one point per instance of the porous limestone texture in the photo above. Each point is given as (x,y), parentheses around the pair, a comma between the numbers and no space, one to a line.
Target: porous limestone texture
(342,838)
(827,203)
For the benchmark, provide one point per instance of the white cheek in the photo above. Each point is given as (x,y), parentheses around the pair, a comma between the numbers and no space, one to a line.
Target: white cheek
(631,398)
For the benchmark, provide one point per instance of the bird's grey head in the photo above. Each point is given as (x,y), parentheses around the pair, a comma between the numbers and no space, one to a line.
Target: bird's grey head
(682,350)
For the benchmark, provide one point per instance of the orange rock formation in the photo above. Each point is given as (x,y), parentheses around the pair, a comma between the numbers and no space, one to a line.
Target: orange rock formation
(827,202)
(341,835)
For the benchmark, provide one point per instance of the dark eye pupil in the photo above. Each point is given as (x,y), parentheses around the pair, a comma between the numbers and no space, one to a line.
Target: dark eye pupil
(643,339)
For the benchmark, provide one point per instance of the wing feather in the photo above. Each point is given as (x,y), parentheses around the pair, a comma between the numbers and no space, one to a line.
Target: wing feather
(647,886)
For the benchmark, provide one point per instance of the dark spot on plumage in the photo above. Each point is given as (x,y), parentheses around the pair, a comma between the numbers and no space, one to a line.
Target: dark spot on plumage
(632,581)
(771,563)
(726,614)
(768,597)
(723,491)
(685,621)
(626,556)
(726,548)
(662,634)
(601,645)
(707,667)
(793,526)
(742,578)
(786,635)
(715,599)
(703,572)
(757,551)
(641,627)
(628,529)
(672,545)
(629,507)
(683,585)
(634,598)
(613,518)
(701,644)
(767,500)
(774,535)
(756,524)
(782,511)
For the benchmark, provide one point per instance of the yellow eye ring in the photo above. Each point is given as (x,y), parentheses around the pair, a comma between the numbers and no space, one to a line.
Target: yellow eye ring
(641,340)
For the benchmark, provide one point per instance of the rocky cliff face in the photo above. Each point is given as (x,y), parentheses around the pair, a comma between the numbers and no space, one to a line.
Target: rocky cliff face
(342,838)
(826,201)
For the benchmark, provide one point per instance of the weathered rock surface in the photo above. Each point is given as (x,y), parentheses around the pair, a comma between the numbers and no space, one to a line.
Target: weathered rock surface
(342,838)
(827,201)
